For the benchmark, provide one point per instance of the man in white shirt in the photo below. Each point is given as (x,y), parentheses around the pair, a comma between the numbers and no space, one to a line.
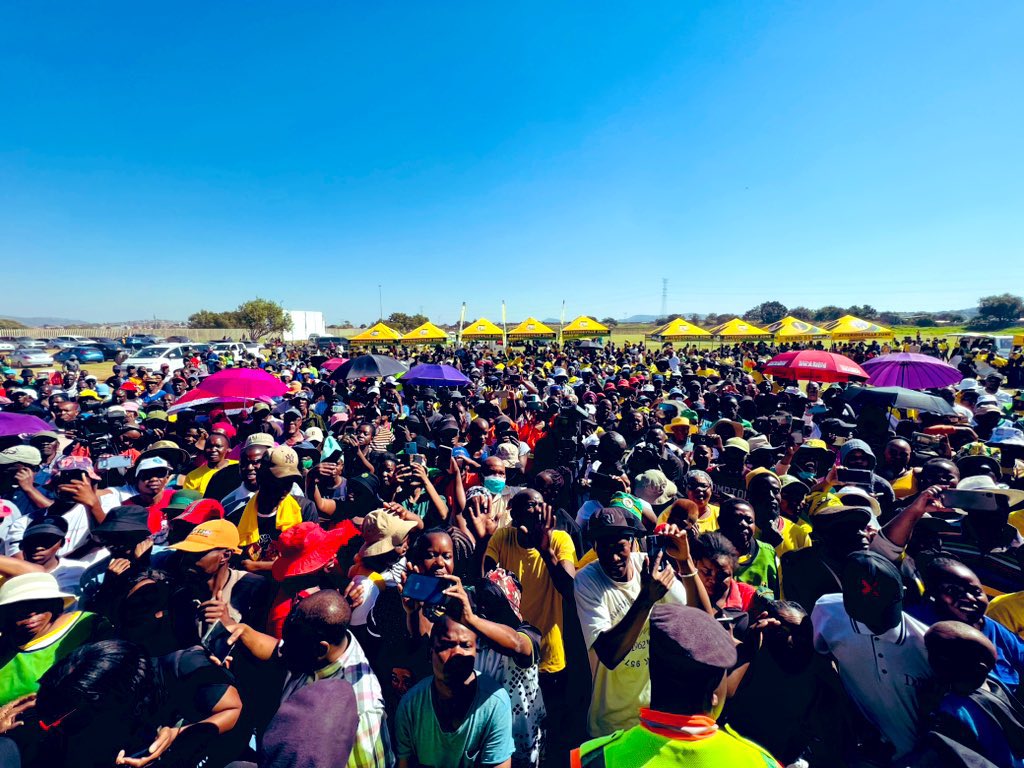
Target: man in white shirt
(878,648)
(614,598)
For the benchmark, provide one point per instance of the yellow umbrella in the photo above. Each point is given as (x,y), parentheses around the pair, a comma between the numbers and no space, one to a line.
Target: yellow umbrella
(428,333)
(791,329)
(531,328)
(377,333)
(850,328)
(739,329)
(584,327)
(482,330)
(680,330)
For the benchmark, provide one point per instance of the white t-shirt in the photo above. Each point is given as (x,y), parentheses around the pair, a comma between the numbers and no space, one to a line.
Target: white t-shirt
(79,527)
(601,604)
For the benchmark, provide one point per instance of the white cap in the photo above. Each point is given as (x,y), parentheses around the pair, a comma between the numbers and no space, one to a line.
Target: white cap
(152,462)
(33,586)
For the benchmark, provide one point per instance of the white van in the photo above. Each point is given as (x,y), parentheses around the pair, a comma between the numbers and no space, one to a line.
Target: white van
(155,355)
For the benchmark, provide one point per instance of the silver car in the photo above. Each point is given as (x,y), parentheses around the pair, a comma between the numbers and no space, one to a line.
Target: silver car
(28,358)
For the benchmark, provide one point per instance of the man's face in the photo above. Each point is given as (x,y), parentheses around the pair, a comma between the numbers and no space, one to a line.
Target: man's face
(47,447)
(66,412)
(941,473)
(153,481)
(216,449)
(738,526)
(249,465)
(992,384)
(364,434)
(202,565)
(291,425)
(730,408)
(613,554)
(453,653)
(525,509)
(897,455)
(857,459)
(492,467)
(41,549)
(843,537)
(129,437)
(388,473)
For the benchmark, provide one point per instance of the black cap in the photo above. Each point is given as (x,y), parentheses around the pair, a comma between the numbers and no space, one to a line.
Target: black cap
(683,636)
(836,425)
(872,590)
(613,521)
(129,518)
(50,525)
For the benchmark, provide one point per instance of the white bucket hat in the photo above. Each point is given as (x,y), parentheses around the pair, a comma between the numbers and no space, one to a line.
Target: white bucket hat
(33,586)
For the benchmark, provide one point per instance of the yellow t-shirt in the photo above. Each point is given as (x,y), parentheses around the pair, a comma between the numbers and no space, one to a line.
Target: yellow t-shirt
(794,536)
(589,556)
(905,486)
(1008,610)
(199,478)
(705,524)
(541,603)
(1016,519)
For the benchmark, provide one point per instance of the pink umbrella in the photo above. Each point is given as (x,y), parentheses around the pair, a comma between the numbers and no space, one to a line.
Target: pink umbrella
(813,365)
(197,398)
(247,383)
(333,363)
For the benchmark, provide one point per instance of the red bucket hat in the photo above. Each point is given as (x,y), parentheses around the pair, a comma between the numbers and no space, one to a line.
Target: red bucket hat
(306,548)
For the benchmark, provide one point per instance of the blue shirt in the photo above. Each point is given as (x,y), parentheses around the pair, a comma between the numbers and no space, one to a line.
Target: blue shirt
(1010,651)
(483,738)
(990,738)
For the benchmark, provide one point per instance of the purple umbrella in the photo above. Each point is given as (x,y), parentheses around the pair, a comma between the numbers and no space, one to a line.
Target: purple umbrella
(911,370)
(428,375)
(12,424)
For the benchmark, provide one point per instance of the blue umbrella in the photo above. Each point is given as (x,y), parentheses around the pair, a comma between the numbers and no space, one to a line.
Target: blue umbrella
(428,375)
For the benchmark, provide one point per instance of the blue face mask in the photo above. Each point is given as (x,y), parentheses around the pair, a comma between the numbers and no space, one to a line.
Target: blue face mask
(494,484)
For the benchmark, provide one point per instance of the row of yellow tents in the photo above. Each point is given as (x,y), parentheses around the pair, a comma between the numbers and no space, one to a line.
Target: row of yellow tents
(789,329)
(482,330)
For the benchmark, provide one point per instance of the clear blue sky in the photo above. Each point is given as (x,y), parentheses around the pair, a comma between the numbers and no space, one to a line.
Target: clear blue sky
(158,158)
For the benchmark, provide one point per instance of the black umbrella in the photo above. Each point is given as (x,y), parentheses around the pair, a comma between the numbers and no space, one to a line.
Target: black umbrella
(898,397)
(368,367)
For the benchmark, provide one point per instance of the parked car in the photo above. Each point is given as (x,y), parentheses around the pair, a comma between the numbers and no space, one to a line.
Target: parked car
(84,354)
(325,342)
(113,350)
(155,355)
(23,342)
(140,340)
(179,339)
(29,358)
(67,342)
(7,346)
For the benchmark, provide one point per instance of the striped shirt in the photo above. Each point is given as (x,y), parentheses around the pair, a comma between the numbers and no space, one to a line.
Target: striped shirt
(372,748)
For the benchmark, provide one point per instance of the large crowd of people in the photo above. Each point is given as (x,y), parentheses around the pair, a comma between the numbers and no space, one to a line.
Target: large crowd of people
(621,555)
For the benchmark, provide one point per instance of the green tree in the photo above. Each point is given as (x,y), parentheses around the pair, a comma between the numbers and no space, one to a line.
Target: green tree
(204,318)
(998,311)
(827,313)
(611,322)
(261,317)
(801,313)
(772,311)
(403,322)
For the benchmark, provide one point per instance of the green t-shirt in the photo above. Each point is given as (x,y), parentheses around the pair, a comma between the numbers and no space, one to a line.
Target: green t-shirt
(20,675)
(761,570)
(484,738)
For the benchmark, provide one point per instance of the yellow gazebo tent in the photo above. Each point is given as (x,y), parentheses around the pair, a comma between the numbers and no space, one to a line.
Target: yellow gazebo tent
(531,328)
(680,330)
(378,333)
(791,329)
(428,333)
(850,328)
(482,330)
(739,329)
(584,327)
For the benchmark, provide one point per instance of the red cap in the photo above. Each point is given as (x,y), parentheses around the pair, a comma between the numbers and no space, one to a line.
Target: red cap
(130,386)
(202,511)
(306,548)
(623,384)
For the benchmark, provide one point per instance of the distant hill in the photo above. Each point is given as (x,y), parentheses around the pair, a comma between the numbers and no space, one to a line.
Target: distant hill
(36,322)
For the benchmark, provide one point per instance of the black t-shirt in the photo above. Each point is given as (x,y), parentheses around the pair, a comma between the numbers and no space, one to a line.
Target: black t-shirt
(223,482)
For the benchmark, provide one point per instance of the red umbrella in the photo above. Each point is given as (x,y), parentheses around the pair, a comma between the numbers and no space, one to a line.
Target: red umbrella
(813,365)
(334,362)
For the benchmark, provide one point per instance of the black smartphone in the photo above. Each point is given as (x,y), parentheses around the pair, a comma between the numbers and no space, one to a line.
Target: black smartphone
(444,456)
(922,442)
(215,639)
(425,589)
(655,545)
(699,439)
(854,476)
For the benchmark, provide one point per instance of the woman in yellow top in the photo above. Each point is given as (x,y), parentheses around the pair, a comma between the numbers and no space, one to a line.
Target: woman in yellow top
(216,452)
